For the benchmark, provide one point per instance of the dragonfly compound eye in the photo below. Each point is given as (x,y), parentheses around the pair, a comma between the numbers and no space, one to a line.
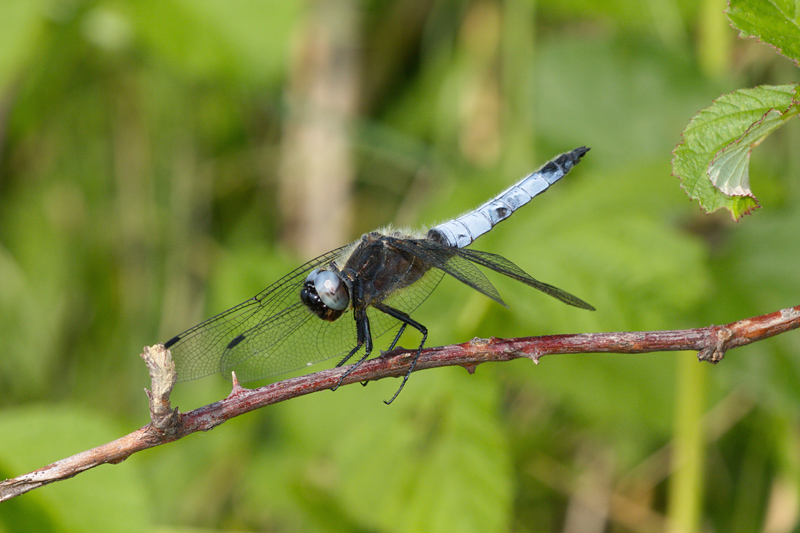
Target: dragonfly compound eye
(331,290)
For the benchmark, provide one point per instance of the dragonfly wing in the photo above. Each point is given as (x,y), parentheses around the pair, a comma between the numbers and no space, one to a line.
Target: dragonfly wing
(295,339)
(406,300)
(449,260)
(199,351)
(502,265)
(460,263)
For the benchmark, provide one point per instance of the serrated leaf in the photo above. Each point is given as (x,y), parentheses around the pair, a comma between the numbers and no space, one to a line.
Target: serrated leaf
(713,159)
(729,169)
(776,22)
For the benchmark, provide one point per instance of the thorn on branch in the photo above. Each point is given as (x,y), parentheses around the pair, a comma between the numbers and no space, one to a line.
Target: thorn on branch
(237,387)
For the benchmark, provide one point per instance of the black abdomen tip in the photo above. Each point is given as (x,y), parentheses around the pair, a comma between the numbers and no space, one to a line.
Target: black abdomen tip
(577,153)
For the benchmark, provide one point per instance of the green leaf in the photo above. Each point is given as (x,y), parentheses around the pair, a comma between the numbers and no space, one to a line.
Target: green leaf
(713,159)
(776,23)
(729,169)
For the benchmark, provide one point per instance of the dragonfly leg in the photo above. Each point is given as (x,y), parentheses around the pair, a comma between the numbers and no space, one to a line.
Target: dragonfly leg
(391,347)
(397,337)
(349,355)
(364,339)
(407,321)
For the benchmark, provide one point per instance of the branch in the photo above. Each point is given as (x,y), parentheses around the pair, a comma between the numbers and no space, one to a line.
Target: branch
(169,425)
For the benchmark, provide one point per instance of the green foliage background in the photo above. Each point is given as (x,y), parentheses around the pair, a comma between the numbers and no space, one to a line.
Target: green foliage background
(139,151)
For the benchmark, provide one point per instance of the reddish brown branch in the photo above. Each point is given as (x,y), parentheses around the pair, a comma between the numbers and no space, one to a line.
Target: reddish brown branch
(167,425)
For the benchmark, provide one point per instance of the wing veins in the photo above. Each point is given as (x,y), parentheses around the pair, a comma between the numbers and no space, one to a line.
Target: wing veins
(447,260)
(504,266)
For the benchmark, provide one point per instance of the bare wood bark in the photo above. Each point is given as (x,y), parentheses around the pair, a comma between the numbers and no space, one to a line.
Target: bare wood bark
(168,425)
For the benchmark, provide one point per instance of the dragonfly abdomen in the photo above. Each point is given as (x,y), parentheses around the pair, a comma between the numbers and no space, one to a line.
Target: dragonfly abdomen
(464,230)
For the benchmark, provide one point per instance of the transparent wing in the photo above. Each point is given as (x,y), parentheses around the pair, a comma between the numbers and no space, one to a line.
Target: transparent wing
(502,265)
(448,260)
(405,299)
(293,339)
(202,350)
(460,263)
(274,333)
(296,338)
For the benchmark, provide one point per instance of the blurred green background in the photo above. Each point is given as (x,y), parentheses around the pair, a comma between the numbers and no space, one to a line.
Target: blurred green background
(163,161)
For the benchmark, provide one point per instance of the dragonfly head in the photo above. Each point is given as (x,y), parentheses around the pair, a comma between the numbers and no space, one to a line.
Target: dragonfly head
(326,294)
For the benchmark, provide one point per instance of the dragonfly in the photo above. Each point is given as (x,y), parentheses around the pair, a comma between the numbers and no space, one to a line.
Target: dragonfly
(336,304)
